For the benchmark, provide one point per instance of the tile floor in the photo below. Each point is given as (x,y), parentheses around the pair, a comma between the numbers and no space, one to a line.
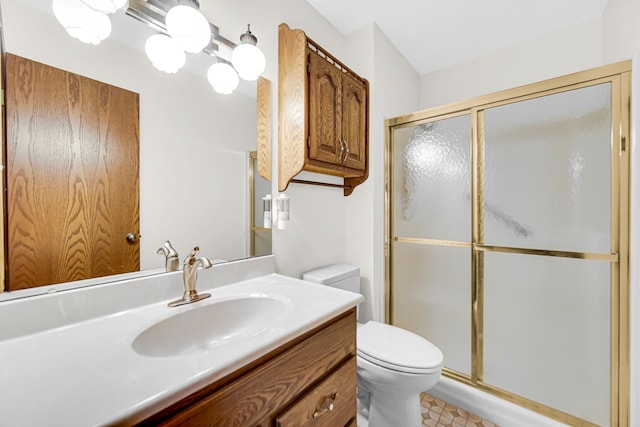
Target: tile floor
(437,413)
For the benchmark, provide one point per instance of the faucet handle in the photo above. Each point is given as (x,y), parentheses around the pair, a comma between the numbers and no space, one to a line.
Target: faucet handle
(191,258)
(167,250)
(192,261)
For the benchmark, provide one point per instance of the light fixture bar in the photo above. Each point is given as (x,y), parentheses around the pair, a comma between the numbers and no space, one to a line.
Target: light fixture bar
(153,13)
(147,13)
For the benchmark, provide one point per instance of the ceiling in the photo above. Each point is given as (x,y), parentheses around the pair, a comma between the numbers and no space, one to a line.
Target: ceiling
(434,34)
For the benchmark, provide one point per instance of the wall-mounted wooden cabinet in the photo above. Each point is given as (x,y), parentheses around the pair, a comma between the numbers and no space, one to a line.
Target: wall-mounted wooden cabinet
(323,113)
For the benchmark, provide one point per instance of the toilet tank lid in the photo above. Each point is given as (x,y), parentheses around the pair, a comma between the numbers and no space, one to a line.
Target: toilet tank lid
(331,273)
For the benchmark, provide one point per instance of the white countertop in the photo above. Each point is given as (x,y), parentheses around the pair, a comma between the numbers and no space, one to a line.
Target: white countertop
(86,373)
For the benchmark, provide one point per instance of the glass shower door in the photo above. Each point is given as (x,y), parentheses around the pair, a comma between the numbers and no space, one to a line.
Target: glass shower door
(431,214)
(545,219)
(507,230)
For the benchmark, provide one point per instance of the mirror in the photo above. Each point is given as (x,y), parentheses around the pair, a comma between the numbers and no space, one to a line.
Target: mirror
(194,143)
(260,208)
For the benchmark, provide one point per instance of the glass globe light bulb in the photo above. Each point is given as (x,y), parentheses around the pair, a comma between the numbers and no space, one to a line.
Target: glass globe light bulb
(188,27)
(246,58)
(249,61)
(164,53)
(81,21)
(223,78)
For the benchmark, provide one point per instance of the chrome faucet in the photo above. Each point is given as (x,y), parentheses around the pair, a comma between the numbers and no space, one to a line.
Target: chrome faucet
(190,277)
(171,256)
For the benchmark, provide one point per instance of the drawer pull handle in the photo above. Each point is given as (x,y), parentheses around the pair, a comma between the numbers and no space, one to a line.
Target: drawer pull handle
(327,405)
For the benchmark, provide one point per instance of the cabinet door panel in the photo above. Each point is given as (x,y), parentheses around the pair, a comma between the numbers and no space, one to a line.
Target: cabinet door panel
(354,122)
(325,110)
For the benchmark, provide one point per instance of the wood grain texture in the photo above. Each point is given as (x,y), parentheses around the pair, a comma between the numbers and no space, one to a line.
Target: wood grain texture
(325,110)
(352,182)
(259,395)
(264,128)
(320,111)
(72,176)
(3,258)
(337,116)
(292,102)
(355,122)
(339,388)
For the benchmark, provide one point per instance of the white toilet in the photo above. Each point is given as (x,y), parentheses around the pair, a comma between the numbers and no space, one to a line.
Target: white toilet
(394,365)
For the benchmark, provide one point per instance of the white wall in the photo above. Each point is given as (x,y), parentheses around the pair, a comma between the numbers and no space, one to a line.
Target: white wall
(393,92)
(193,142)
(567,51)
(621,30)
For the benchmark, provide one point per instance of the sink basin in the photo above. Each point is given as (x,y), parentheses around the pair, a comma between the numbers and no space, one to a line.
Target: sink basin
(208,326)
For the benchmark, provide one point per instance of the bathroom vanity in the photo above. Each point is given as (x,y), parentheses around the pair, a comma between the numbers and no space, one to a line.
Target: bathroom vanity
(310,380)
(265,349)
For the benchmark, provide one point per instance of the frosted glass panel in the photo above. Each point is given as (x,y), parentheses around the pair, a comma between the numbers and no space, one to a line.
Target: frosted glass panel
(432,297)
(547,331)
(548,172)
(431,180)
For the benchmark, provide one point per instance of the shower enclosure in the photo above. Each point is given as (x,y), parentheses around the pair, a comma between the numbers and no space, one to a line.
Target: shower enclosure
(507,236)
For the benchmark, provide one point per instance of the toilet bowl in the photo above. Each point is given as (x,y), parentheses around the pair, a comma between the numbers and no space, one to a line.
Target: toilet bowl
(394,365)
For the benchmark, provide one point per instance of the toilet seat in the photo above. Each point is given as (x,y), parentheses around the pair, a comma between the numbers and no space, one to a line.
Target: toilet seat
(397,349)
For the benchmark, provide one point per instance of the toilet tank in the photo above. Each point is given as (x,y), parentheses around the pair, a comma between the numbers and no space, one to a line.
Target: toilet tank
(341,276)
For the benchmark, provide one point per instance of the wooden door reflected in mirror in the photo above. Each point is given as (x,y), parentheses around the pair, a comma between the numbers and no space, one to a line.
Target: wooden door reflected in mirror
(72,176)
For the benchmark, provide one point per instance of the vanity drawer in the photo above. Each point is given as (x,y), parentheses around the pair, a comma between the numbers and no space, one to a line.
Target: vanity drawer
(331,403)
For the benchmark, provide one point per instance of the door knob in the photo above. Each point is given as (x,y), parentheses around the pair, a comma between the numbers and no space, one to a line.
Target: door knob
(132,238)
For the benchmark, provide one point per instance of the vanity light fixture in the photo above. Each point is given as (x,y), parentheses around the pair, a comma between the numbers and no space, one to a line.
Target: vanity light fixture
(188,26)
(246,58)
(81,21)
(105,6)
(223,78)
(164,53)
(180,27)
